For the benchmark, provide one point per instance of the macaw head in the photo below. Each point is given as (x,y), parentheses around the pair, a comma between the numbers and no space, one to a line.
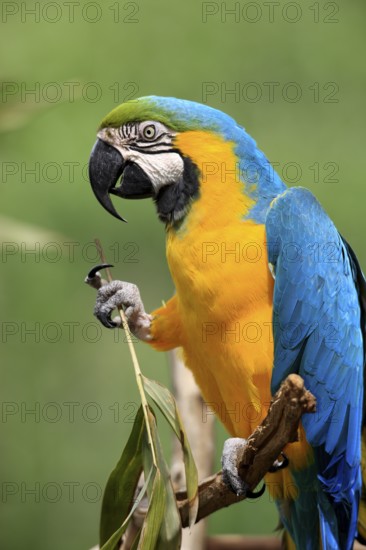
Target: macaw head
(158,147)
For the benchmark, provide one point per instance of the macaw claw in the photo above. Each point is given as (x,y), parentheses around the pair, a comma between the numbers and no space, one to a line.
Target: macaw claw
(106,320)
(94,278)
(253,496)
(277,465)
(97,268)
(230,474)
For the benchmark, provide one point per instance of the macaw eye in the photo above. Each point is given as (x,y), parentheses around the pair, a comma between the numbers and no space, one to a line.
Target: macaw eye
(149,132)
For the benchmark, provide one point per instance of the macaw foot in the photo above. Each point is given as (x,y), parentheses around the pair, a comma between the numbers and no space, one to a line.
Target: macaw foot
(232,452)
(119,294)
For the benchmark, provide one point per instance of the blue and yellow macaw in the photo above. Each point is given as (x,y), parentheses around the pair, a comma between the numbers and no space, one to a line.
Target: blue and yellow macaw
(265,287)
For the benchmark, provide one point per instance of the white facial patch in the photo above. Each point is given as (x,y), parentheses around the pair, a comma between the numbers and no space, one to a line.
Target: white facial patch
(162,167)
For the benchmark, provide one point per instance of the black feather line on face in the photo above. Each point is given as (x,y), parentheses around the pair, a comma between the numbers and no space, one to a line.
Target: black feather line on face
(174,200)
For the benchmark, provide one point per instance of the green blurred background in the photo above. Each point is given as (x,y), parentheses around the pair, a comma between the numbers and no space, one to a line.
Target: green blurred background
(56,361)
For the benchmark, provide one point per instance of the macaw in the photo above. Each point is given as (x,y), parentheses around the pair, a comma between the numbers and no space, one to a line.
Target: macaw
(265,286)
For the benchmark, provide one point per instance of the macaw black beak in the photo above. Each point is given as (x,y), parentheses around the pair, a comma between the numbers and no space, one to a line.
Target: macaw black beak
(106,166)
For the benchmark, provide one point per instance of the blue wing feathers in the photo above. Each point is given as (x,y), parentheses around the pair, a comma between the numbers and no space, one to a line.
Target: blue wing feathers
(317,333)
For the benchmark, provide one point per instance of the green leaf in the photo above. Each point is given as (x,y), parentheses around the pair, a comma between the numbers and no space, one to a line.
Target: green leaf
(114,540)
(170,534)
(121,485)
(157,495)
(151,527)
(163,398)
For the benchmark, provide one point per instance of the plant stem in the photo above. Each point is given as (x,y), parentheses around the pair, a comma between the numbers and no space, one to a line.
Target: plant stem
(136,366)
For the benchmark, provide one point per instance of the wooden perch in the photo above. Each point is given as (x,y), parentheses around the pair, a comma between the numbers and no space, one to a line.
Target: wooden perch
(263,447)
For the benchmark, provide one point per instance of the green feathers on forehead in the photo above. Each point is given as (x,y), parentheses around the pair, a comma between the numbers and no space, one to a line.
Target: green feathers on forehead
(179,115)
(141,109)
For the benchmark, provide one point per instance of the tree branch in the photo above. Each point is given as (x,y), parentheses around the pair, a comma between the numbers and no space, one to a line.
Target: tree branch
(263,447)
